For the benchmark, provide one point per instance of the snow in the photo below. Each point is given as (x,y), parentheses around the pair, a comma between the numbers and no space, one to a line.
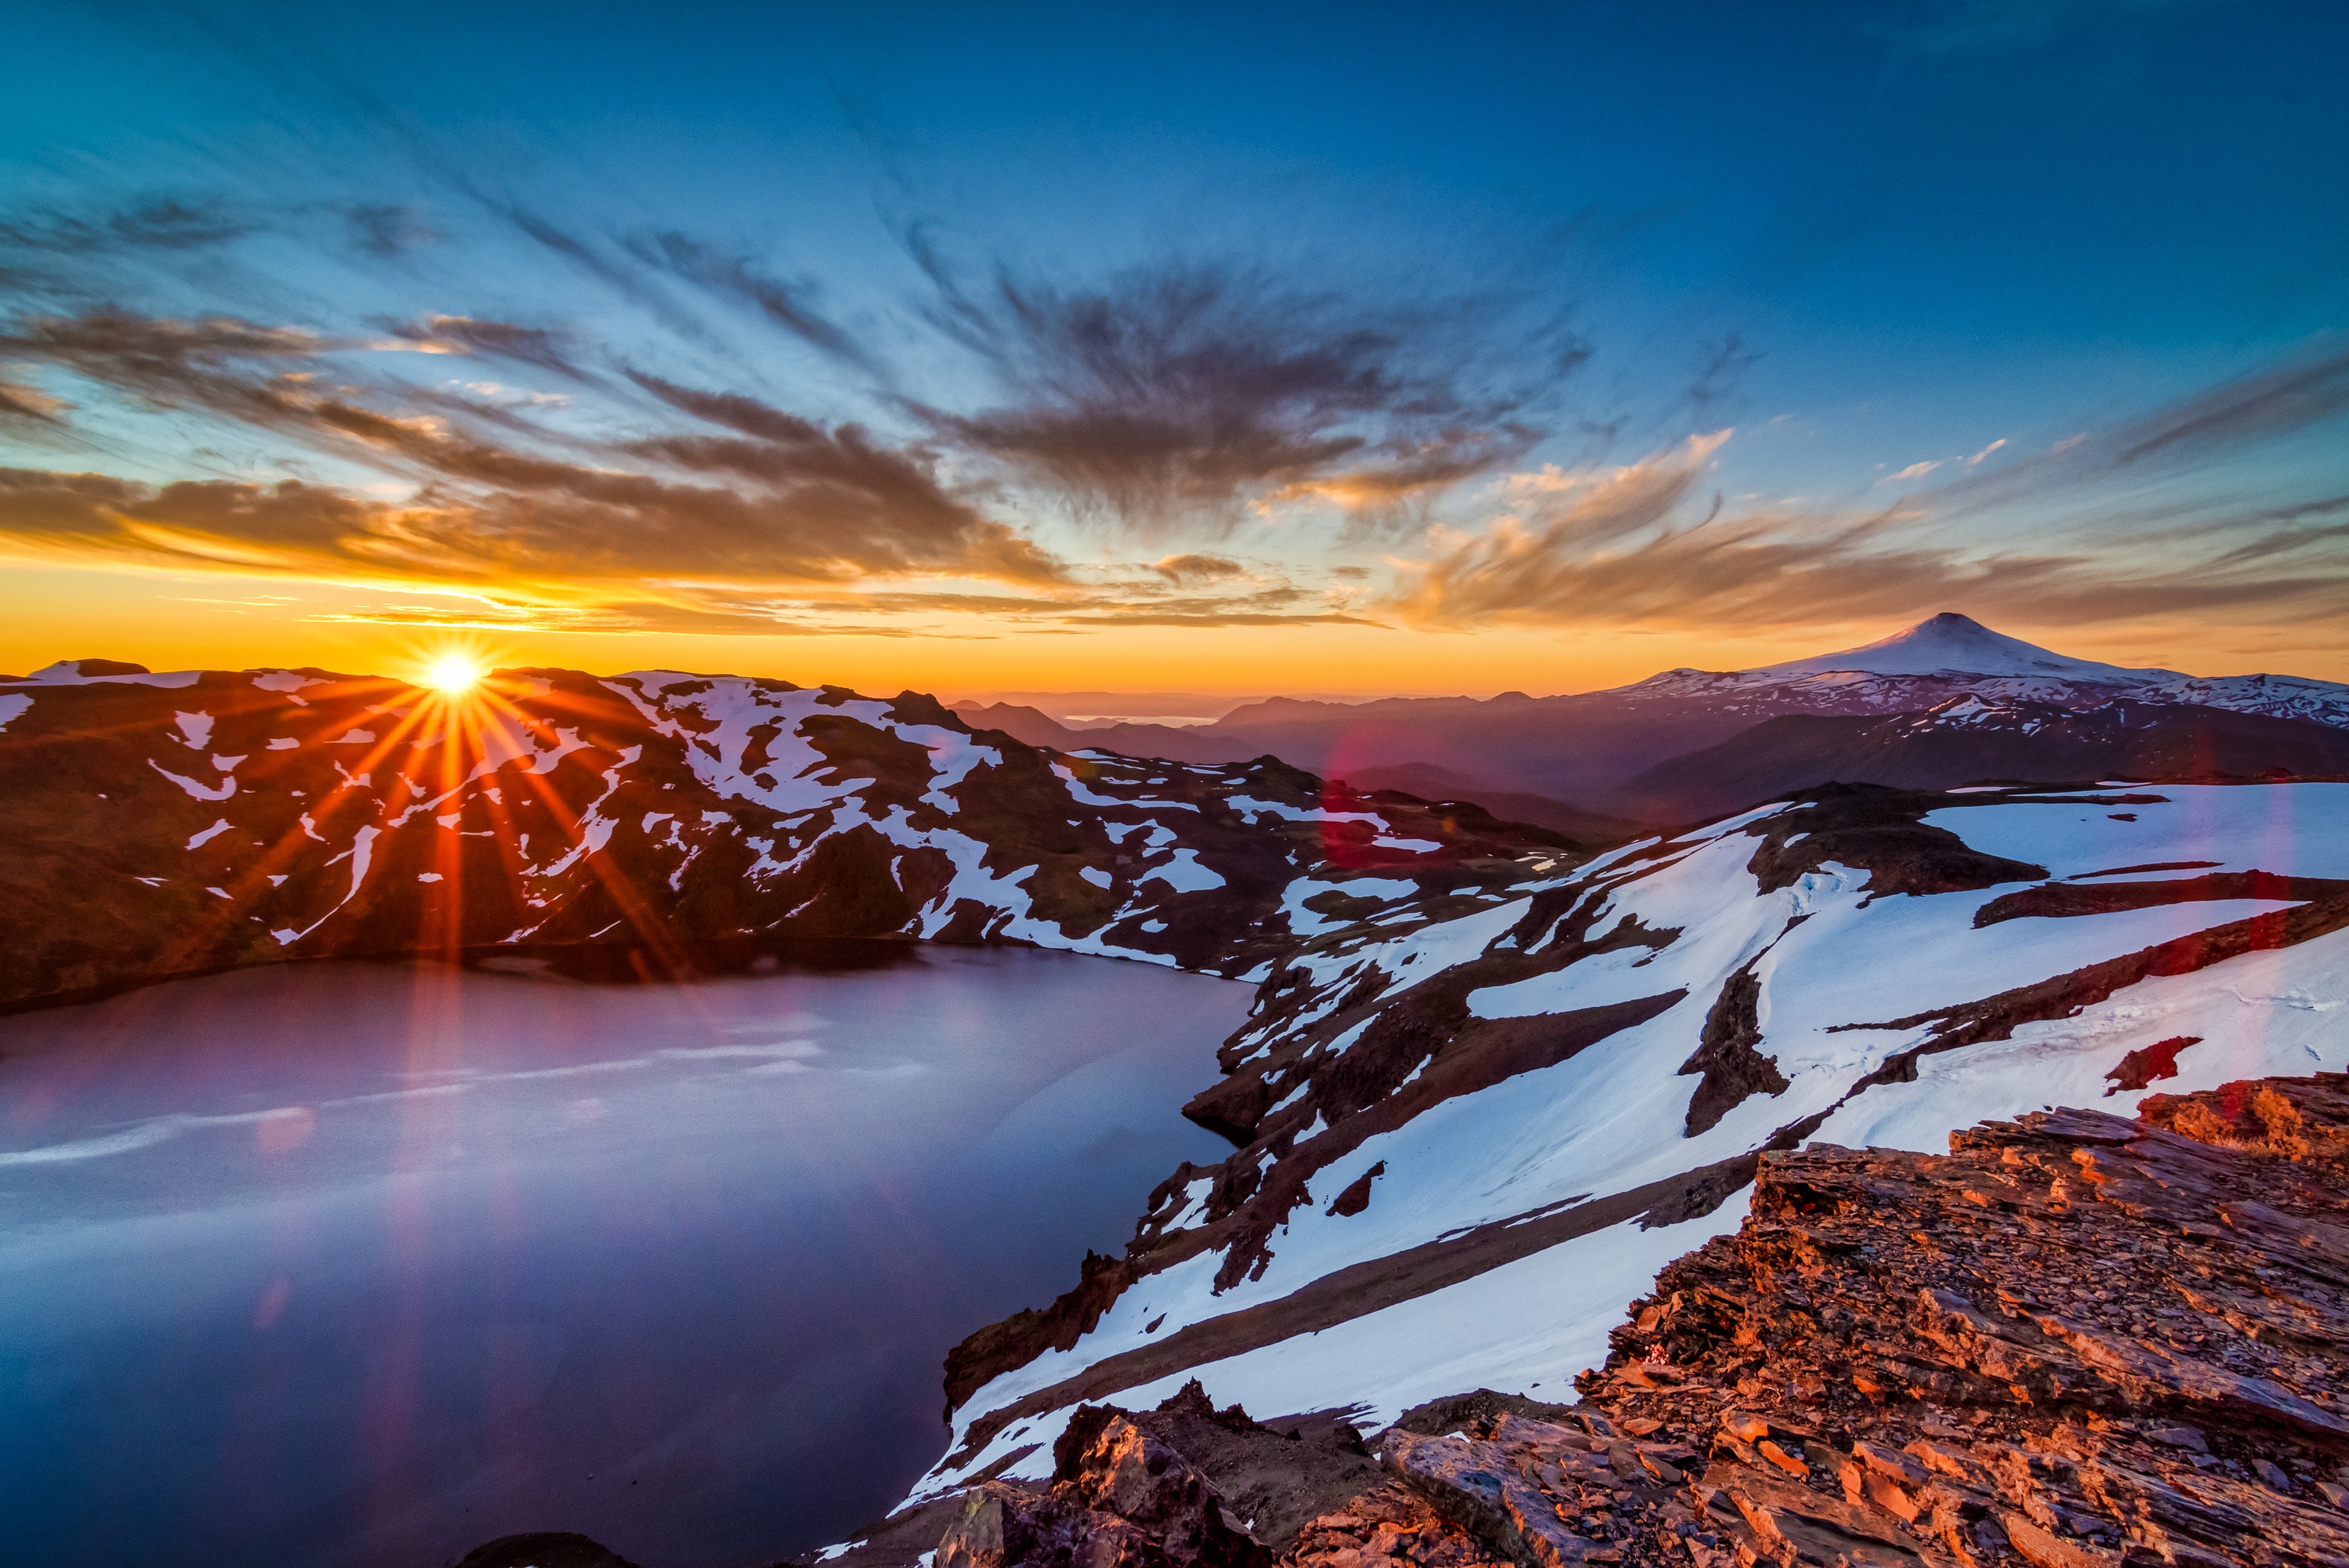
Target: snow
(195,791)
(1534,1323)
(1250,808)
(1184,873)
(1303,922)
(1953,643)
(206,835)
(14,705)
(2290,829)
(1095,875)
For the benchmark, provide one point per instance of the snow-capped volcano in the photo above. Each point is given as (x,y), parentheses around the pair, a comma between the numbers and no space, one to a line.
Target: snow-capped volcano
(1954,645)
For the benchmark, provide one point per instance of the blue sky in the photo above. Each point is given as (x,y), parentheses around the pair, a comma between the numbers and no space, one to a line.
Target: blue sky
(1421,305)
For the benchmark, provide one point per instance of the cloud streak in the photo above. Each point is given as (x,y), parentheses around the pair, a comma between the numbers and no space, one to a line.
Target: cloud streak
(1181,390)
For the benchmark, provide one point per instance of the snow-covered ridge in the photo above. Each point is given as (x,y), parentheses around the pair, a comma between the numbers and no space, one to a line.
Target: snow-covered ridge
(166,824)
(1467,1138)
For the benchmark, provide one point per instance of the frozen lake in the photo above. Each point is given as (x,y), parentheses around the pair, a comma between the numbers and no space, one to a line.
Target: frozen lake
(359,1264)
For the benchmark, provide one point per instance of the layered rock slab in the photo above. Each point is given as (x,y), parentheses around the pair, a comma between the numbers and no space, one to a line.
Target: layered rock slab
(2075,1341)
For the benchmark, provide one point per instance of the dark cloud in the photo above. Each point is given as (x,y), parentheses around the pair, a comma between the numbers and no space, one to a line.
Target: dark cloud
(172,363)
(802,501)
(788,305)
(1406,471)
(1185,390)
(1182,569)
(159,223)
(28,404)
(534,345)
(545,522)
(2274,402)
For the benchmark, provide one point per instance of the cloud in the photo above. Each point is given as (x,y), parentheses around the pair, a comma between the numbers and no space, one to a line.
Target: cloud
(1182,389)
(1913,472)
(505,516)
(1197,568)
(1531,564)
(1617,546)
(788,305)
(387,229)
(535,345)
(158,223)
(2207,426)
(1976,461)
(28,403)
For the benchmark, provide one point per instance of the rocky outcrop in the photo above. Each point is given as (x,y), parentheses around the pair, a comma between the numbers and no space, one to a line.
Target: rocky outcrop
(2075,1341)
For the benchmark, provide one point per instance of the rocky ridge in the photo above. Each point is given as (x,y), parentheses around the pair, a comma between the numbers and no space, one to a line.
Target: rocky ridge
(2074,1341)
(1441,1123)
(158,825)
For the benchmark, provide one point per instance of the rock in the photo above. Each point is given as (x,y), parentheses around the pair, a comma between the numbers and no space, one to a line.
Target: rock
(2074,1341)
(543,1548)
(1003,1525)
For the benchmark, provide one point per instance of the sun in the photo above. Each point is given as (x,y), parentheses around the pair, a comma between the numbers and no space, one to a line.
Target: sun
(454,673)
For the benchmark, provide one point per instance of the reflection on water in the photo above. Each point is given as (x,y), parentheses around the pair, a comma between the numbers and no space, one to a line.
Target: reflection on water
(357,1263)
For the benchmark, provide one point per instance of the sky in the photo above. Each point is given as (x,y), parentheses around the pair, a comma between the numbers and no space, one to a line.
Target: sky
(1244,349)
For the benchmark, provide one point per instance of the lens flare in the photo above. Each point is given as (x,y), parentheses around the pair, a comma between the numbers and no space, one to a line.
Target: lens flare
(452,674)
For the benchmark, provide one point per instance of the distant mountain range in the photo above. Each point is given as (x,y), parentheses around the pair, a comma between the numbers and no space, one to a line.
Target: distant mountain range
(1686,743)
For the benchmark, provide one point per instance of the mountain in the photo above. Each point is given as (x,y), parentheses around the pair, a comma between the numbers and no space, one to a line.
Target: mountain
(1172,742)
(1972,739)
(1950,644)
(1429,783)
(154,825)
(1590,750)
(1463,1140)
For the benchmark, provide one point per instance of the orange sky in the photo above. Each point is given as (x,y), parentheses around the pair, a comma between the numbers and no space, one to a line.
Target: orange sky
(178,622)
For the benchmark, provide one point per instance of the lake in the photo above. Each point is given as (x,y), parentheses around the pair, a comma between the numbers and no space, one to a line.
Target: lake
(358,1264)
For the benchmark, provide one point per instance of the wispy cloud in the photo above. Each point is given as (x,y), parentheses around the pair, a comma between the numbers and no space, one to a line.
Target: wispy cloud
(1174,392)
(1628,545)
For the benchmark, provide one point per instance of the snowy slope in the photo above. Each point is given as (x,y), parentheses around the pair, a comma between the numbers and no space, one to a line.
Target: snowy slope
(1955,645)
(1468,1138)
(162,824)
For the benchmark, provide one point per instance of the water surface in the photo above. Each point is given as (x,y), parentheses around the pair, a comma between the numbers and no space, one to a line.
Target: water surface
(361,1263)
